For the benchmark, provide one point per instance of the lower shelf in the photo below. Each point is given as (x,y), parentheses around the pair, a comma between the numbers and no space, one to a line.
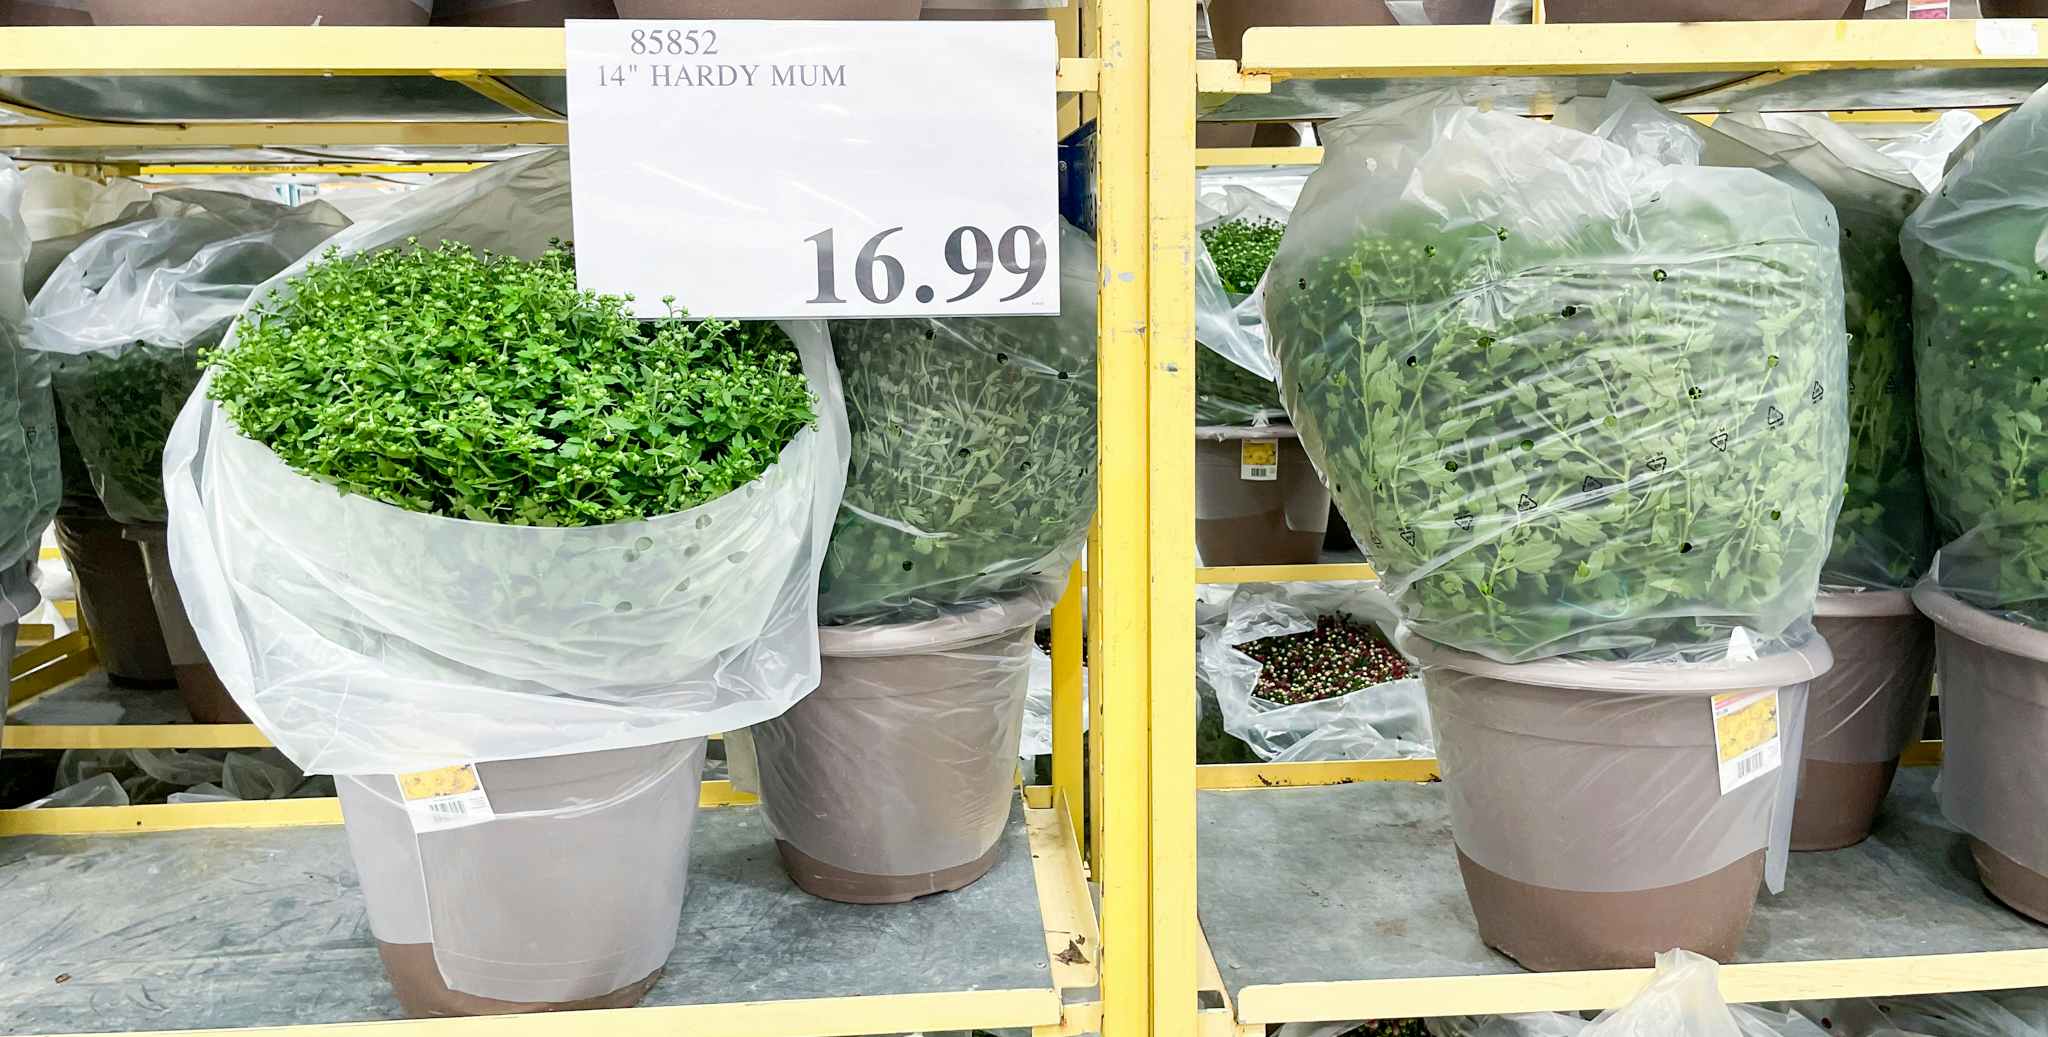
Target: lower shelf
(242,928)
(1344,902)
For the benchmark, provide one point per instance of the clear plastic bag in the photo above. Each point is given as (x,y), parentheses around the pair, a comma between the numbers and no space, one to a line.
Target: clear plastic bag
(29,481)
(902,765)
(90,777)
(1037,737)
(369,640)
(1881,537)
(1235,380)
(2012,1013)
(59,204)
(973,466)
(1389,720)
(1978,250)
(1573,391)
(1603,777)
(1682,1000)
(125,312)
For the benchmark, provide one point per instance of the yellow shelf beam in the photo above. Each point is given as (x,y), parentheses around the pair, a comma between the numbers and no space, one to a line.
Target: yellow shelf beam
(1227,776)
(1209,158)
(132,736)
(286,134)
(322,51)
(1284,573)
(290,168)
(1574,991)
(1389,52)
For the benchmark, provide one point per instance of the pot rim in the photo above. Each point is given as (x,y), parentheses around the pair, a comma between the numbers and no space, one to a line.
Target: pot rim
(1856,604)
(1971,623)
(1800,664)
(930,636)
(1227,433)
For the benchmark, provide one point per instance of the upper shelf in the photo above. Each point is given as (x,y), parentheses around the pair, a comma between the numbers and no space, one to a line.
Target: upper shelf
(73,88)
(1323,72)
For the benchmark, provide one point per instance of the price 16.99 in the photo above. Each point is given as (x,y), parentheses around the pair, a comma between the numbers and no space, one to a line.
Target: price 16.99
(971,252)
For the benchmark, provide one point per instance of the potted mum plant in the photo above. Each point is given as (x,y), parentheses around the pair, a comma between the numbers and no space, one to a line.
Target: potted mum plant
(28,429)
(121,319)
(1258,501)
(1590,422)
(499,556)
(527,13)
(260,12)
(44,12)
(1865,711)
(1978,287)
(970,488)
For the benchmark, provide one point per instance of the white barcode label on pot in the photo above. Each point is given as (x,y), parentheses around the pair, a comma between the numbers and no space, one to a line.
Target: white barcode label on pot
(1258,460)
(1746,736)
(445,798)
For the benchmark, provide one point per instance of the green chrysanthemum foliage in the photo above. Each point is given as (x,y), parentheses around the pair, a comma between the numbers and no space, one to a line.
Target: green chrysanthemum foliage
(973,460)
(1226,394)
(119,408)
(485,387)
(1566,430)
(1881,537)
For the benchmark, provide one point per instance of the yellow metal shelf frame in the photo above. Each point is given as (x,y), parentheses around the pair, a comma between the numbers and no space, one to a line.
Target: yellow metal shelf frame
(506,73)
(1858,71)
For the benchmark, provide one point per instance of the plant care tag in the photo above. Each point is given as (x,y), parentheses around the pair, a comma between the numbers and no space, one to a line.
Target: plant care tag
(754,169)
(1258,460)
(1746,736)
(1927,10)
(445,798)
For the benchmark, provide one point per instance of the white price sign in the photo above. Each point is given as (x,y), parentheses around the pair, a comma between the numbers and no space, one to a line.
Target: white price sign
(754,169)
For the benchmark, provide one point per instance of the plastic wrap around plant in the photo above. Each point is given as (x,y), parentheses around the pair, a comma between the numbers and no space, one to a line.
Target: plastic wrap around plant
(1603,777)
(365,639)
(1978,250)
(1573,391)
(1881,538)
(29,483)
(1239,218)
(1377,714)
(126,312)
(973,465)
(1682,1000)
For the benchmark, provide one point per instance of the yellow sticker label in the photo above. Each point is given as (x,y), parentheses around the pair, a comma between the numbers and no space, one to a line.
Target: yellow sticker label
(437,783)
(1746,736)
(1259,451)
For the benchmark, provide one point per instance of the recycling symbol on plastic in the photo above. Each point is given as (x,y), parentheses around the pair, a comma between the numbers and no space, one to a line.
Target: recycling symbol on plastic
(1376,541)
(1656,464)
(1527,503)
(1774,417)
(1816,394)
(1592,485)
(1408,535)
(1464,520)
(1720,441)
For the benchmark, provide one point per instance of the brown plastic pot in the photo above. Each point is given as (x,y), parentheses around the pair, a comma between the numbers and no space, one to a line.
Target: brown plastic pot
(206,698)
(964,14)
(1994,721)
(1241,521)
(825,10)
(1586,804)
(260,12)
(568,900)
(1563,11)
(114,601)
(2013,8)
(1861,714)
(535,14)
(894,779)
(43,12)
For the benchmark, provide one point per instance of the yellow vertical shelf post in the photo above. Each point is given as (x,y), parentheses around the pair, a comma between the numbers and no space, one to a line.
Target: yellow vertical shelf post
(1170,383)
(1121,568)
(1067,695)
